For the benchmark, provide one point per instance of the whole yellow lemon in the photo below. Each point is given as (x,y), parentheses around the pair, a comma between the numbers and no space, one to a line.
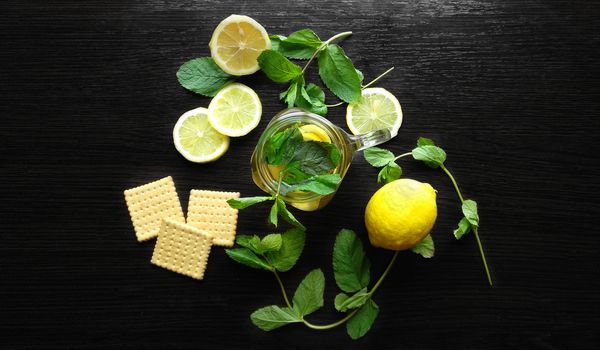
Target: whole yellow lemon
(400,214)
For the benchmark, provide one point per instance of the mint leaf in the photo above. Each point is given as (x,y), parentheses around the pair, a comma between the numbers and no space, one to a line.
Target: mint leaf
(242,203)
(273,214)
(304,37)
(423,141)
(389,173)
(464,227)
(378,157)
(312,98)
(203,76)
(339,300)
(277,67)
(320,184)
(250,242)
(276,41)
(273,316)
(309,295)
(270,243)
(469,208)
(362,321)
(280,147)
(300,45)
(287,215)
(425,248)
(246,257)
(432,156)
(313,158)
(335,155)
(290,95)
(292,244)
(361,77)
(344,302)
(351,267)
(338,73)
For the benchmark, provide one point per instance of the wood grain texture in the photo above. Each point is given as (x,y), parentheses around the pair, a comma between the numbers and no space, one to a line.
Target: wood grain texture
(88,100)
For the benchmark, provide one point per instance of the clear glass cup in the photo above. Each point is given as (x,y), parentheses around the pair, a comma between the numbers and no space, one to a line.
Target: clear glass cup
(347,144)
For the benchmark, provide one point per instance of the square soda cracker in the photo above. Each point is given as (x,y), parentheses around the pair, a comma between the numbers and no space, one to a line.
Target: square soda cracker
(209,211)
(149,204)
(182,248)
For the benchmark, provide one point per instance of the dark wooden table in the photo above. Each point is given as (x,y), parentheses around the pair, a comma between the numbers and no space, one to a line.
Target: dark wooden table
(88,99)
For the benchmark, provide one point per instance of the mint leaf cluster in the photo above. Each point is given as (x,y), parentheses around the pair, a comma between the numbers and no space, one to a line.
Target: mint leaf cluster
(335,69)
(306,166)
(351,269)
(274,252)
(384,159)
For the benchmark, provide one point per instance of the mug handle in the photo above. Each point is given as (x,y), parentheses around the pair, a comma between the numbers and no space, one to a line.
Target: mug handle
(370,139)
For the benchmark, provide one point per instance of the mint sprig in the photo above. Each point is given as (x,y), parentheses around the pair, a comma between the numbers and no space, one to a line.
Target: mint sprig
(434,157)
(384,159)
(351,269)
(335,69)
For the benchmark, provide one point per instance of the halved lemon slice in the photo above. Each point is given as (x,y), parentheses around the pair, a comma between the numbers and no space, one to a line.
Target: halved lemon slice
(377,109)
(235,110)
(237,42)
(196,139)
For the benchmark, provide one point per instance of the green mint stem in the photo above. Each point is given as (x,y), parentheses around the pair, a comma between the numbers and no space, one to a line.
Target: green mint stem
(453,182)
(365,86)
(475,230)
(403,155)
(331,325)
(285,297)
(279,185)
(379,77)
(339,36)
(349,315)
(385,273)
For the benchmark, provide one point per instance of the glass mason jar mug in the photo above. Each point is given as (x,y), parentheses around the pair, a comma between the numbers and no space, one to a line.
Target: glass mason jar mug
(264,176)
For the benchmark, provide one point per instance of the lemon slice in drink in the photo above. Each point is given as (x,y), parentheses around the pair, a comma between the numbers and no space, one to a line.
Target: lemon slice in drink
(196,139)
(235,110)
(236,43)
(314,133)
(377,109)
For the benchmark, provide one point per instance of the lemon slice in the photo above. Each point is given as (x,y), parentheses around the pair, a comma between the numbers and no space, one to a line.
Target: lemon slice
(237,42)
(377,109)
(235,110)
(196,139)
(314,133)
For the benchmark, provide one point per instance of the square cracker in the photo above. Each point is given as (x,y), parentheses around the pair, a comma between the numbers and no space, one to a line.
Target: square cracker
(182,248)
(149,204)
(209,211)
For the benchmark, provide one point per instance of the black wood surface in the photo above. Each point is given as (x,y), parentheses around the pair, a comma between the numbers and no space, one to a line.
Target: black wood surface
(88,100)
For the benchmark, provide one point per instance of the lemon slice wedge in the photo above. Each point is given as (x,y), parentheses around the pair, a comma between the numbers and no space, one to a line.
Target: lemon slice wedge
(196,139)
(235,110)
(236,43)
(377,109)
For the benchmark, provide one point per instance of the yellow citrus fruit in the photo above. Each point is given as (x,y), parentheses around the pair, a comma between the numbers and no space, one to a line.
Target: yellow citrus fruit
(236,43)
(312,132)
(377,109)
(196,139)
(400,214)
(235,110)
